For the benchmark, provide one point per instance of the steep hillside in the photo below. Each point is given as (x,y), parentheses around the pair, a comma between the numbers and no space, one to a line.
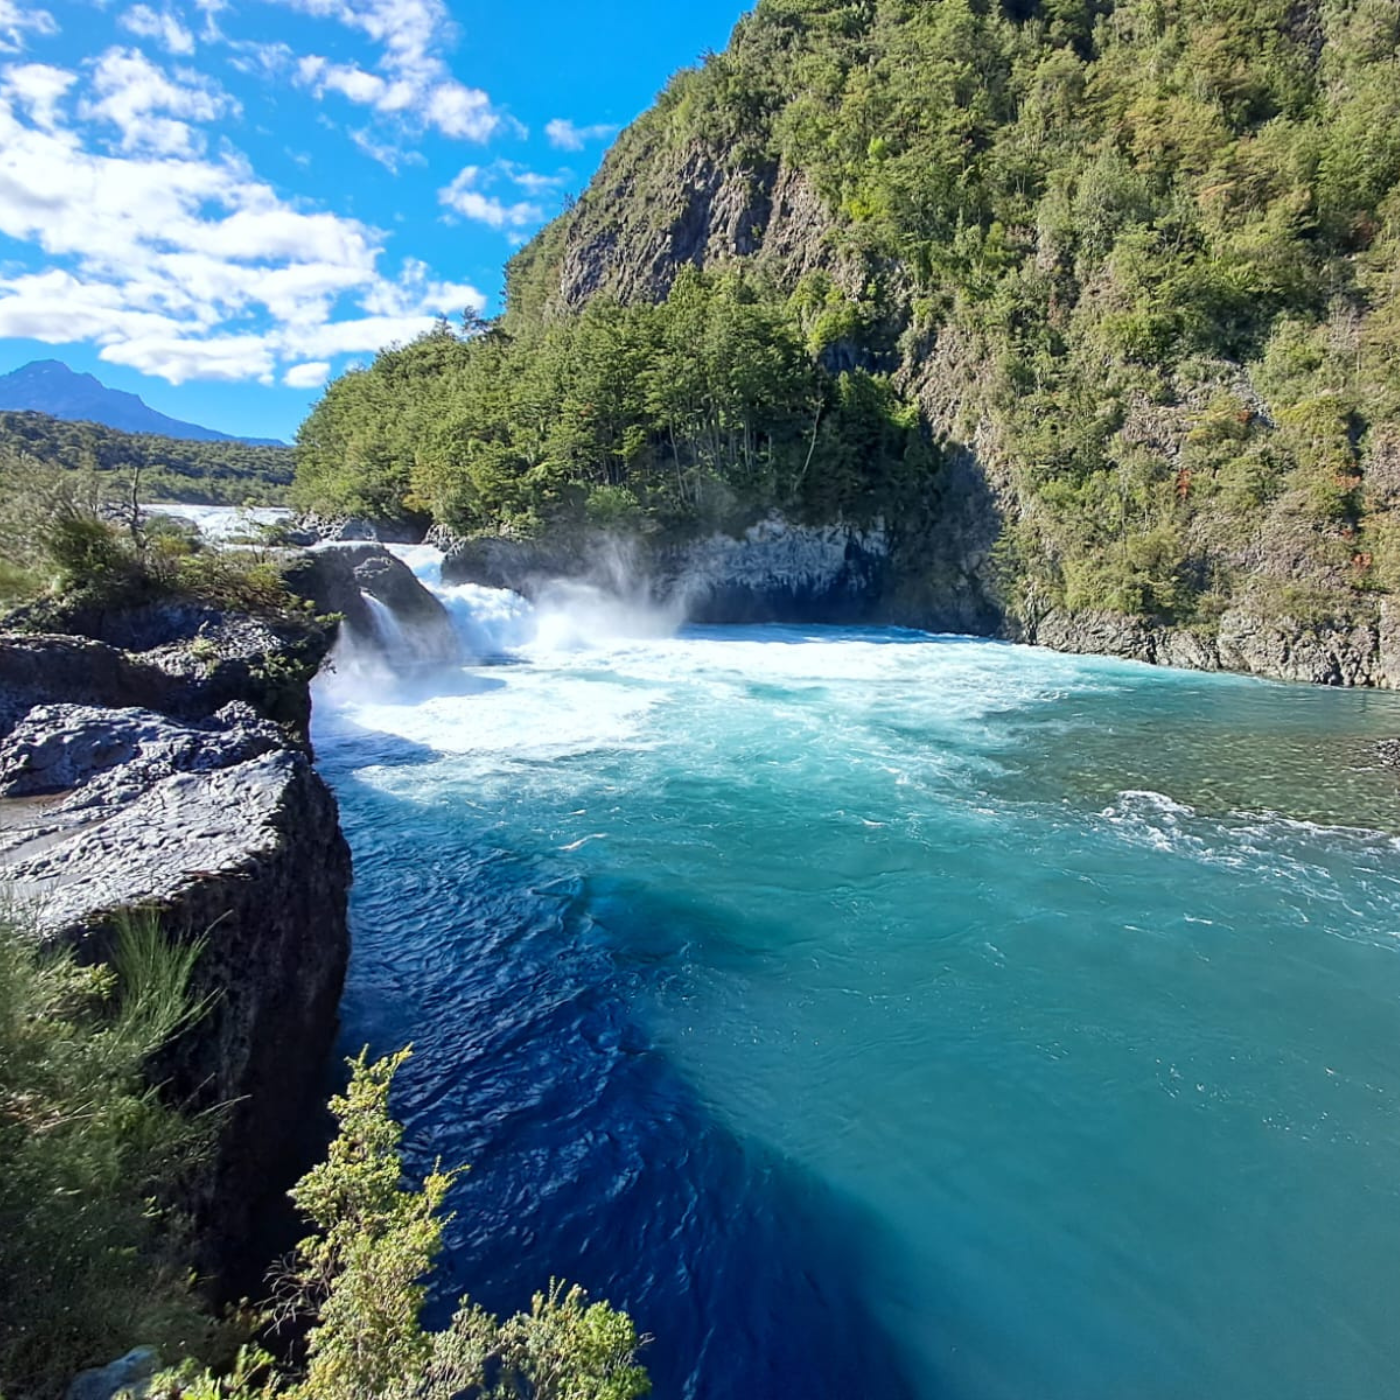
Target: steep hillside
(1134,267)
(49,386)
(167,469)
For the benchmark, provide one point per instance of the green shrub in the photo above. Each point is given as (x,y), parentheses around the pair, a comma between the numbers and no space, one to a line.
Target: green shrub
(360,1282)
(90,1259)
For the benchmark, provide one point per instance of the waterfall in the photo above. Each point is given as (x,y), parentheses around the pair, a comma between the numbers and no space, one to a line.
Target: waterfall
(388,630)
(566,614)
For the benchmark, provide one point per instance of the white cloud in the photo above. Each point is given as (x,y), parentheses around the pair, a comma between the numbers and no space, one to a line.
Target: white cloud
(413,83)
(269,60)
(310,375)
(176,263)
(38,88)
(17,20)
(565,136)
(461,112)
(465,196)
(177,358)
(164,28)
(151,109)
(532,182)
(211,10)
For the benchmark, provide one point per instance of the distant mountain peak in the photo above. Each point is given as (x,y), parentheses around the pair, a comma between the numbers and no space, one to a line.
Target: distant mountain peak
(52,387)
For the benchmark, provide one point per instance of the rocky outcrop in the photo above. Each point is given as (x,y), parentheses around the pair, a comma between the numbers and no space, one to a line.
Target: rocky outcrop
(774,571)
(106,757)
(1359,651)
(247,857)
(130,1374)
(311,528)
(177,778)
(180,657)
(379,600)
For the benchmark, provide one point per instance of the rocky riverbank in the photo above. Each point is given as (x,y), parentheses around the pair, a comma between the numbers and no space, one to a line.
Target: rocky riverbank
(160,760)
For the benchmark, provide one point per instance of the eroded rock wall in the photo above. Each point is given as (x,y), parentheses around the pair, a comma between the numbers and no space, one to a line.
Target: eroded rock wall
(132,780)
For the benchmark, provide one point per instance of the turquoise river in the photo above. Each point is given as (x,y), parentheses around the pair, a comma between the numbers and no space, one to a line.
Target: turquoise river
(879,1014)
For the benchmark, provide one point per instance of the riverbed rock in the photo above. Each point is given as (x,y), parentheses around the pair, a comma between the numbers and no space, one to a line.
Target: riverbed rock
(312,528)
(173,773)
(1341,652)
(523,566)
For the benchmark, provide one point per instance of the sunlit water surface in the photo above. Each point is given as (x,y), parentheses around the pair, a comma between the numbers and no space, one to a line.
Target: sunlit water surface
(878,1014)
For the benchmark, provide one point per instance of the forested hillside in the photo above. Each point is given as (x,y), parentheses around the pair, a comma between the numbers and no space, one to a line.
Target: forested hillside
(1098,302)
(164,469)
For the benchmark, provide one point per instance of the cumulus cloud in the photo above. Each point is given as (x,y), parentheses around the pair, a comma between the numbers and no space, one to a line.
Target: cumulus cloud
(531,181)
(565,136)
(19,20)
(171,261)
(413,84)
(152,109)
(466,197)
(310,375)
(165,28)
(267,60)
(38,89)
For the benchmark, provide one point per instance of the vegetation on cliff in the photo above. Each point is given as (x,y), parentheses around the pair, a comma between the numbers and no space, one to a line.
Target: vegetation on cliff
(1139,260)
(705,406)
(161,468)
(360,1281)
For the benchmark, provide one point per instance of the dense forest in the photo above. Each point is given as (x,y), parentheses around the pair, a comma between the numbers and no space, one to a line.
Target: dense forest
(162,469)
(1136,261)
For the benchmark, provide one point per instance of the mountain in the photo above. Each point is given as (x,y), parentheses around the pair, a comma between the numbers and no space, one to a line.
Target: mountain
(1129,269)
(49,386)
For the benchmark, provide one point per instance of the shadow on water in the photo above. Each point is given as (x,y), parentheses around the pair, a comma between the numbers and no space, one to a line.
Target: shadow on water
(592,1157)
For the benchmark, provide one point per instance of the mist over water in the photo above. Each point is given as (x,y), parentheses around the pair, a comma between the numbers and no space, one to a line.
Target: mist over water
(873,1013)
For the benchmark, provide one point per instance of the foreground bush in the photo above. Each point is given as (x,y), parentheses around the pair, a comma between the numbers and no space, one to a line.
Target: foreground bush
(359,1280)
(88,1260)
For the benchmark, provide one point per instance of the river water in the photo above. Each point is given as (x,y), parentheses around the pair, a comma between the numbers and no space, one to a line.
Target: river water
(880,1014)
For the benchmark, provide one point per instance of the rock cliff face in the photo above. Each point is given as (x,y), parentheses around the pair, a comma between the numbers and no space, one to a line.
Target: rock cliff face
(177,777)
(775,571)
(380,601)
(1360,651)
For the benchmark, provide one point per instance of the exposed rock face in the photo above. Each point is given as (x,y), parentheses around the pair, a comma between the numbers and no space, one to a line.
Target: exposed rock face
(653,209)
(139,779)
(181,658)
(774,572)
(312,529)
(109,757)
(131,1373)
(777,572)
(1347,652)
(493,561)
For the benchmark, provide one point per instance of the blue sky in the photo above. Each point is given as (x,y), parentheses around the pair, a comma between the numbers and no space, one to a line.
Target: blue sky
(218,203)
